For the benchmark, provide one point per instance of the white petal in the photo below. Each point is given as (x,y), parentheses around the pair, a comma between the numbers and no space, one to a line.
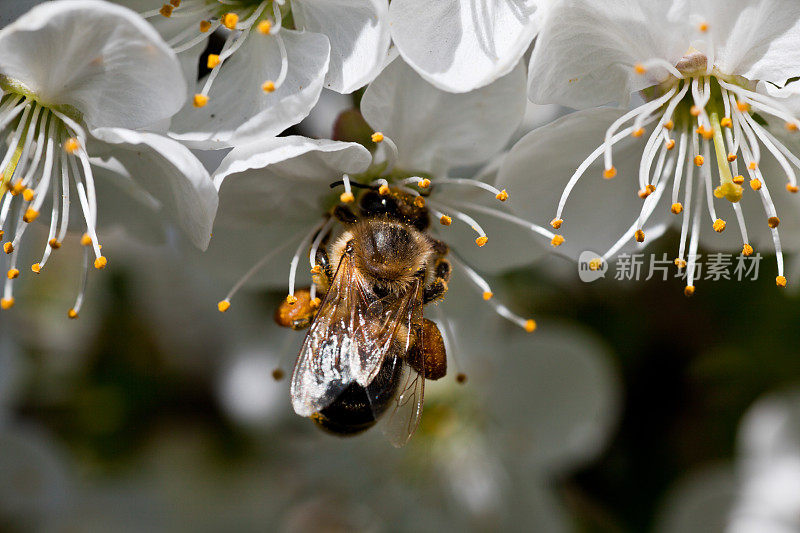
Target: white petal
(598,211)
(171,174)
(358,31)
(435,130)
(585,53)
(101,59)
(238,109)
(699,502)
(759,40)
(284,180)
(459,46)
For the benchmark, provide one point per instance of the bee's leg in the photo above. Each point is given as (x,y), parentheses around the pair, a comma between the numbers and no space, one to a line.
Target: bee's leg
(438,288)
(344,214)
(429,357)
(321,273)
(299,314)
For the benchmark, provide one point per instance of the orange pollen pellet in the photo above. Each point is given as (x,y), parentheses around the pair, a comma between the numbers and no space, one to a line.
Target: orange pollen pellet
(557,240)
(383,190)
(445,220)
(556,222)
(200,100)
(780,281)
(638,132)
(30,215)
(639,235)
(213,60)
(676,208)
(54,244)
(13,273)
(175,3)
(36,268)
(738,180)
(747,249)
(670,144)
(72,313)
(719,225)
(8,247)
(755,184)
(166,10)
(347,197)
(291,299)
(610,173)
(205,26)
(731,158)
(268,86)
(419,201)
(487,296)
(773,222)
(100,263)
(6,303)
(791,188)
(229,20)
(688,290)
(483,239)
(530,325)
(223,306)
(502,195)
(680,263)
(698,160)
(377,137)
(726,122)
(424,183)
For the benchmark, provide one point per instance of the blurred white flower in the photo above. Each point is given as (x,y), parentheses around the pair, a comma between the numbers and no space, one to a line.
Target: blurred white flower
(78,80)
(460,46)
(275,190)
(267,76)
(717,82)
(761,494)
(248,389)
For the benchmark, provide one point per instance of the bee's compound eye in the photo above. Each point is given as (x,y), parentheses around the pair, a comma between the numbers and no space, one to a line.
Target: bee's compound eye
(375,204)
(379,290)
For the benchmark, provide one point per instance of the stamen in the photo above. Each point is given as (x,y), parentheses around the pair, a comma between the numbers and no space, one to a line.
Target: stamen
(482,238)
(76,307)
(391,153)
(296,258)
(498,194)
(347,196)
(312,255)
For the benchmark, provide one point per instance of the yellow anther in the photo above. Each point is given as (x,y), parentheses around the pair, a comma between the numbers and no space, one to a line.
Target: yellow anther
(698,160)
(229,20)
(755,184)
(36,268)
(753,165)
(377,137)
(487,295)
(773,222)
(54,244)
(445,220)
(639,68)
(688,290)
(695,110)
(747,249)
(703,27)
(595,264)
(483,239)
(707,133)
(530,325)
(383,190)
(738,180)
(8,247)
(609,173)
(502,195)
(16,188)
(719,225)
(780,281)
(315,303)
(291,299)
(676,208)
(680,263)
(72,313)
(86,240)
(556,223)
(791,126)
(742,106)
(100,263)
(643,193)
(6,303)
(647,191)
(223,305)
(200,100)
(268,86)
(419,201)
(30,215)
(316,269)
(71,145)
(28,194)
(791,188)
(669,125)
(730,191)
(213,60)
(670,144)
(638,132)
(731,157)
(347,198)
(12,273)
(205,26)
(639,235)
(264,27)
(166,10)
(557,240)
(726,122)
(424,183)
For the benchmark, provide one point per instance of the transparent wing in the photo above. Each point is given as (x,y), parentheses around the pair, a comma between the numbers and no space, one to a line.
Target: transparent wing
(322,370)
(406,408)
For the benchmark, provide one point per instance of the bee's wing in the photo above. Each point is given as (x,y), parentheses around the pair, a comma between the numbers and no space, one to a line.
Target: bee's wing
(323,368)
(405,407)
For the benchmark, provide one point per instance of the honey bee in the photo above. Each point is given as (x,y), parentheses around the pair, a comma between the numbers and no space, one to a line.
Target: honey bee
(369,349)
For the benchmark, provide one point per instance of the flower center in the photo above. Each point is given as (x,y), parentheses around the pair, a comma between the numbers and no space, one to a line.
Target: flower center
(44,163)
(238,16)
